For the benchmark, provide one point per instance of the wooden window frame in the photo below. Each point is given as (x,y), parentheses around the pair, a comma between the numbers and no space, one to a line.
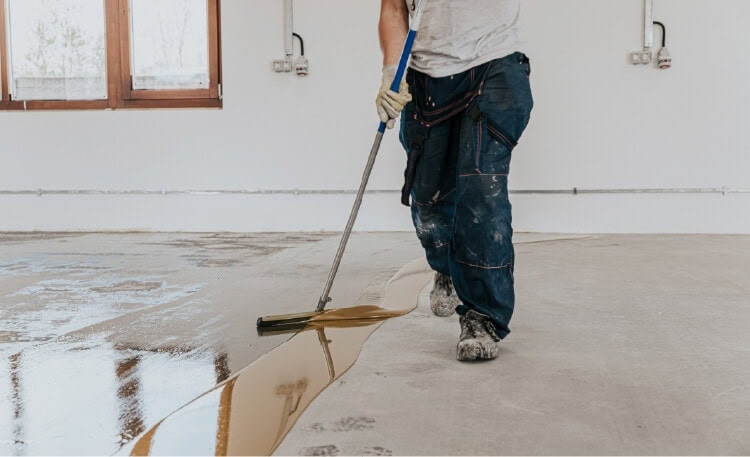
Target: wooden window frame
(120,94)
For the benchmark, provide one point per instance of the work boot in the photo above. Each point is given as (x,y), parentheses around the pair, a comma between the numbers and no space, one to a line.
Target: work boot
(443,298)
(478,339)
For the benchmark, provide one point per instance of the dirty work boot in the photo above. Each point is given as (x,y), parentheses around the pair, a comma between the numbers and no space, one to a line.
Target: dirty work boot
(443,298)
(478,339)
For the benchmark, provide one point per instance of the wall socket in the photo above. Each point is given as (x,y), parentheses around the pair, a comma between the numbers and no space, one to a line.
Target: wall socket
(644,57)
(283,65)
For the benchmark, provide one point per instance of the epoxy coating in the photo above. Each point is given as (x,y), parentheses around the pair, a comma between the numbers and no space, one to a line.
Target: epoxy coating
(105,335)
(251,413)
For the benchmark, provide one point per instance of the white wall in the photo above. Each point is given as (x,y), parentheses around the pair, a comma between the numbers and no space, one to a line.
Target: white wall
(599,123)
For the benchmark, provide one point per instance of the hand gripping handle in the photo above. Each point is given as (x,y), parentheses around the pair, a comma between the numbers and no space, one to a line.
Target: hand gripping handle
(416,18)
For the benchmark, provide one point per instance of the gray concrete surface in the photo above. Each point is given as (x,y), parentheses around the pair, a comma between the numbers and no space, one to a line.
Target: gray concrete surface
(621,345)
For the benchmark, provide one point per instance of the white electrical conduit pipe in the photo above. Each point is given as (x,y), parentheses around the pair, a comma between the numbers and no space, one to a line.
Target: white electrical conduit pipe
(289,27)
(648,24)
(572,191)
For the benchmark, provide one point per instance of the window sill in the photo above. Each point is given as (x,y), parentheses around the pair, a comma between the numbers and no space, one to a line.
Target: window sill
(61,105)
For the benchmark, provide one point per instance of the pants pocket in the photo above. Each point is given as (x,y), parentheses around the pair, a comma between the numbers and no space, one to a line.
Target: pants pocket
(491,146)
(498,134)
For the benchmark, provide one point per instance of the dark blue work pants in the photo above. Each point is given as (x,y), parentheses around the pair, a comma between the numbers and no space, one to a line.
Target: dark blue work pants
(459,132)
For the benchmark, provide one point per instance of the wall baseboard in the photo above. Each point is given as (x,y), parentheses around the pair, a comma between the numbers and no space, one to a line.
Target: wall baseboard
(546,213)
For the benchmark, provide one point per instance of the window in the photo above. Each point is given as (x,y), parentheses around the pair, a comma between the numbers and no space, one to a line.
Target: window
(79,54)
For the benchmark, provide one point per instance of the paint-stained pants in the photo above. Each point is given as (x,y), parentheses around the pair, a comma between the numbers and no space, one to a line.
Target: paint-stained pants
(459,133)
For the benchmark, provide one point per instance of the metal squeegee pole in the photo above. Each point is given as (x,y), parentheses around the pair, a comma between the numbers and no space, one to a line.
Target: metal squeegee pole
(324,298)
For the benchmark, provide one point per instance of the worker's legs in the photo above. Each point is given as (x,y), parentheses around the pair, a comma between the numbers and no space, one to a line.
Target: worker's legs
(433,188)
(482,260)
(430,133)
(459,134)
(430,187)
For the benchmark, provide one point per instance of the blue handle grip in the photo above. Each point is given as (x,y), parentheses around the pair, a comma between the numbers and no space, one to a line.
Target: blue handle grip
(401,68)
(404,60)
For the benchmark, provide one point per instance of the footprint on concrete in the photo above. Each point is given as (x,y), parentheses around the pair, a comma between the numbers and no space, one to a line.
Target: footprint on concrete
(375,450)
(328,449)
(316,427)
(349,424)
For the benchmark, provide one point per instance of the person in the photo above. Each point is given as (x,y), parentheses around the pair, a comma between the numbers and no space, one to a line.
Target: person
(464,104)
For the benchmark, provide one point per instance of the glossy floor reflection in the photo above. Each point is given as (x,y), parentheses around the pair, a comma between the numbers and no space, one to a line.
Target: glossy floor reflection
(81,397)
(103,336)
(251,413)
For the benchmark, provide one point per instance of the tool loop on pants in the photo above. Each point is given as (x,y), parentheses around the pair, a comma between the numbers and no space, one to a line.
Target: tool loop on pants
(417,147)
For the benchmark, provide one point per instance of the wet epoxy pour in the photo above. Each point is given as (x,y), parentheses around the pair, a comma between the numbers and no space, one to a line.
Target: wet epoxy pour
(93,353)
(251,413)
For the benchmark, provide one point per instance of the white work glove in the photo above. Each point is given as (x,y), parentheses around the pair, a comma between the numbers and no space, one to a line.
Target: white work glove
(389,103)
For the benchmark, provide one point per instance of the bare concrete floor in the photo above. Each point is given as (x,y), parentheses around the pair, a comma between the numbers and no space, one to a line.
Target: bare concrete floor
(620,345)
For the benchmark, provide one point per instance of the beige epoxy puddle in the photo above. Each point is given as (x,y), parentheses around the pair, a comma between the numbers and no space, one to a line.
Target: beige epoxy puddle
(251,413)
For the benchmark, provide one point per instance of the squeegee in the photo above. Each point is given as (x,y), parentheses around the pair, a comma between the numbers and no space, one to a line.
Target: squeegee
(301,319)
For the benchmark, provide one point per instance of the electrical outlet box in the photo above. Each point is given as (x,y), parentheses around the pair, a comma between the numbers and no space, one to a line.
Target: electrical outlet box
(644,57)
(282,65)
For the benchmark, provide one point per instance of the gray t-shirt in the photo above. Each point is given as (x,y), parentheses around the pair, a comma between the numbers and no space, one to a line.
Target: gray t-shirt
(456,35)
